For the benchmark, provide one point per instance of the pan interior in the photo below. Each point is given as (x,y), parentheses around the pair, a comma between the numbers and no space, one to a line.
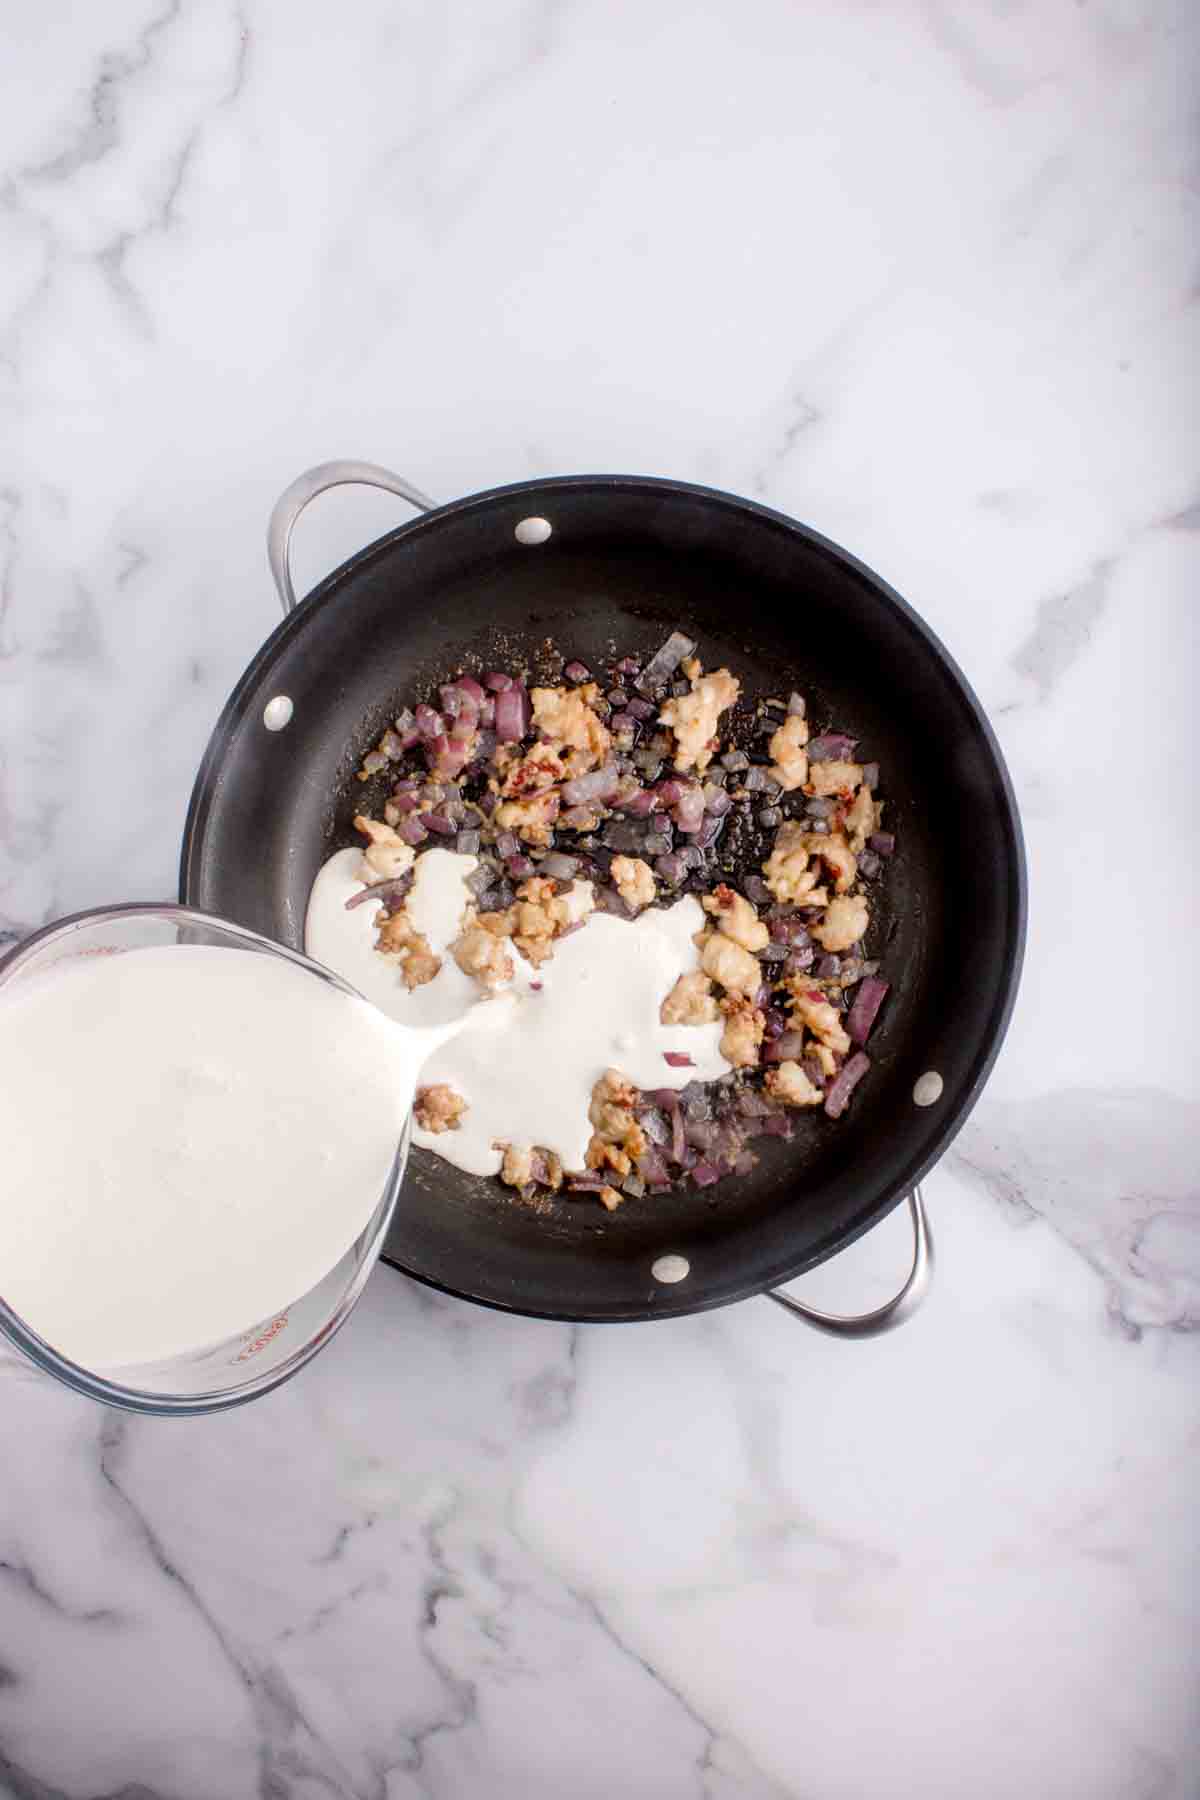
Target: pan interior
(627,561)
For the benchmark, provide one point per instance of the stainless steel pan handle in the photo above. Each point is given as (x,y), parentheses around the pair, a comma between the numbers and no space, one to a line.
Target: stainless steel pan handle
(894,1311)
(292,502)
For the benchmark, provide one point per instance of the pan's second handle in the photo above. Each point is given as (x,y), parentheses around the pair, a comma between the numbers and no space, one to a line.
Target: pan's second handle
(293,501)
(894,1311)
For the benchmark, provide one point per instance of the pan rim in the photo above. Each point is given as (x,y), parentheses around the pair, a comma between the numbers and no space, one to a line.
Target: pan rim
(1013,878)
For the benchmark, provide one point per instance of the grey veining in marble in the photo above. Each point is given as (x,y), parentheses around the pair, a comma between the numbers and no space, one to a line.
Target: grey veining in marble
(924,276)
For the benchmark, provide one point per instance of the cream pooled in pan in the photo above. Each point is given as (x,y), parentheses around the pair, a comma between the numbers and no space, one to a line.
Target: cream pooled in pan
(549,865)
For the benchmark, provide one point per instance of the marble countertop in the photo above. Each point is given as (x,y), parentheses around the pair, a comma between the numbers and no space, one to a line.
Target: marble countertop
(924,276)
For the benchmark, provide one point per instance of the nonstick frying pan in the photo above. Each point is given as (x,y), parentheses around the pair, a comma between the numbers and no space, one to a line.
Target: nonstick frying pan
(597,567)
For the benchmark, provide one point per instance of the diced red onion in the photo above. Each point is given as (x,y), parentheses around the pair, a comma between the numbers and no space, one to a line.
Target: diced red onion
(671,867)
(487,716)
(692,858)
(796,706)
(578,818)
(439,823)
(480,880)
(882,842)
(869,865)
(608,900)
(559,867)
(617,698)
(382,891)
(666,660)
(827,967)
(628,665)
(430,724)
(623,727)
(785,1048)
(778,1125)
(870,774)
(688,811)
(471,687)
(373,761)
(627,840)
(702,1134)
(773,953)
(405,803)
(735,759)
(576,671)
(597,784)
(519,867)
(640,709)
(507,844)
(770,817)
(678,1060)
(757,890)
(867,1002)
(716,800)
(831,746)
(652,1167)
(799,959)
(705,1173)
(837,1094)
(655,1126)
(756,780)
(512,714)
(670,790)
(656,843)
(447,756)
(586,1184)
(641,804)
(708,833)
(497,681)
(774,1023)
(412,830)
(467,843)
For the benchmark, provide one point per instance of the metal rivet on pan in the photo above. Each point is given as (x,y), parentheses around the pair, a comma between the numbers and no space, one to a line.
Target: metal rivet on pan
(928,1088)
(533,531)
(278,712)
(670,1268)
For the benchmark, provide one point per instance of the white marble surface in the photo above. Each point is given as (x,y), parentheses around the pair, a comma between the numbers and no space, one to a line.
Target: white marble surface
(923,274)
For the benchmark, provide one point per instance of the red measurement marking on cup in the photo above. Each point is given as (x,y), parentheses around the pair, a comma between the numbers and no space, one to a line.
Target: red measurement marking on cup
(262,1340)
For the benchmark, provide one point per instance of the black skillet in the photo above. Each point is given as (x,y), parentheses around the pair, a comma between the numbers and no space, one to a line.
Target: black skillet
(598,567)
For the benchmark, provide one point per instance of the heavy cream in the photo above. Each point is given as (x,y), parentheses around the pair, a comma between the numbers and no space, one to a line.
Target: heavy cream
(193,1137)
(527,1059)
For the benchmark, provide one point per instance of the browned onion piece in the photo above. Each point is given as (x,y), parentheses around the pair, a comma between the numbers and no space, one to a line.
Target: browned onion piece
(665,661)
(512,714)
(867,1002)
(597,784)
(837,1094)
(384,891)
(785,1048)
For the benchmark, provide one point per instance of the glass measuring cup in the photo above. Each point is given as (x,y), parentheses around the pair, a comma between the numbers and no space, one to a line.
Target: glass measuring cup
(267,1352)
